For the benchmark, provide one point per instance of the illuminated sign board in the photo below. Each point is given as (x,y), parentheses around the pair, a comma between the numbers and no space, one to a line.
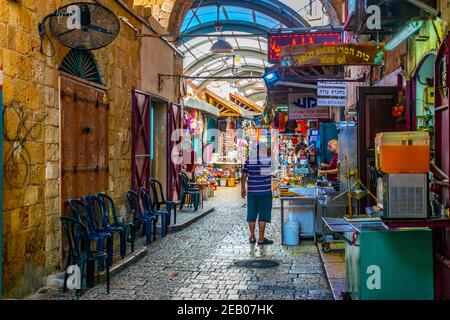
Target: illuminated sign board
(279,40)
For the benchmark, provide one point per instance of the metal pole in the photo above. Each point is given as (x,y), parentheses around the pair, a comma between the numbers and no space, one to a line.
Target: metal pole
(201,35)
(1,174)
(212,77)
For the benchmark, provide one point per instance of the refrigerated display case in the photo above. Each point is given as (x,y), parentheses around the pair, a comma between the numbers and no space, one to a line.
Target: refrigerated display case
(327,132)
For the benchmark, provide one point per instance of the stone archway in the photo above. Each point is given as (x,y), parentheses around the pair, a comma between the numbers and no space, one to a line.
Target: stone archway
(181,7)
(179,11)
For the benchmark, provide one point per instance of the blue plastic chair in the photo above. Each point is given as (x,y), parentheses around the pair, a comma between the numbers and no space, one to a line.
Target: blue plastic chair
(160,200)
(80,212)
(112,216)
(148,204)
(98,211)
(81,255)
(139,217)
(187,190)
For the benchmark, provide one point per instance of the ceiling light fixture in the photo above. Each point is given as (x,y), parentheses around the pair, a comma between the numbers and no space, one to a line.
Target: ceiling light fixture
(221,46)
(411,28)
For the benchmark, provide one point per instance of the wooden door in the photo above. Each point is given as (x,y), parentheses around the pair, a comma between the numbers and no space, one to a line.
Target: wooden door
(174,118)
(374,116)
(84,140)
(141,135)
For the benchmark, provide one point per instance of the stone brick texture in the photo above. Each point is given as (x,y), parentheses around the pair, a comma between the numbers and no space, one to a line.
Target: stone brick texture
(31,156)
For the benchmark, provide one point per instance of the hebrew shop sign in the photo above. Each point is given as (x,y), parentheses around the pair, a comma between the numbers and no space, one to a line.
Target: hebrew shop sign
(335,54)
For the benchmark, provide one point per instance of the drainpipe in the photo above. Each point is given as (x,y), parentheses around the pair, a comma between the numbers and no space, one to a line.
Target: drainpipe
(141,19)
(1,175)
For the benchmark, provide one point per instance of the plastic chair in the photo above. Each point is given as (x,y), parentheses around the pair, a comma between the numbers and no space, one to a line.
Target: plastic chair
(112,216)
(148,208)
(160,200)
(187,190)
(139,217)
(82,256)
(97,209)
(80,212)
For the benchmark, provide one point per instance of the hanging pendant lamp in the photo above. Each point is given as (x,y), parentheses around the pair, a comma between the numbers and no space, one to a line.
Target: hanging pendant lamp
(221,46)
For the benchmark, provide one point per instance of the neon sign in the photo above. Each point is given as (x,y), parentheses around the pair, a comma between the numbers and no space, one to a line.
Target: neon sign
(279,40)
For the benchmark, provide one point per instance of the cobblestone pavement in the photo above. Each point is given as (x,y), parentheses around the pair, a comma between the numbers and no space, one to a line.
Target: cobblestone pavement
(197,263)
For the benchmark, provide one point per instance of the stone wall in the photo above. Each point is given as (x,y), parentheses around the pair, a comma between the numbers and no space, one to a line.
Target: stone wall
(31,156)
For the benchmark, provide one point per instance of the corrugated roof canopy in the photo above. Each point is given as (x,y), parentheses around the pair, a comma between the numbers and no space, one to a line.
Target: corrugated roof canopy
(239,18)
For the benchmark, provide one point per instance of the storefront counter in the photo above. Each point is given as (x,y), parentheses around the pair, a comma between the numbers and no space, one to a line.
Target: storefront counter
(441,250)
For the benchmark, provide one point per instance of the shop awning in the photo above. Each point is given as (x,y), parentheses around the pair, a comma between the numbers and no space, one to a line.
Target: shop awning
(201,105)
(227,108)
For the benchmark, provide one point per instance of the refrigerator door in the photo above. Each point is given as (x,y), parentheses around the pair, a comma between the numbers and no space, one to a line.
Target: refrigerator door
(348,148)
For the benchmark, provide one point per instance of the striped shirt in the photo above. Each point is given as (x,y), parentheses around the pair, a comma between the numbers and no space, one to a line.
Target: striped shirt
(259,179)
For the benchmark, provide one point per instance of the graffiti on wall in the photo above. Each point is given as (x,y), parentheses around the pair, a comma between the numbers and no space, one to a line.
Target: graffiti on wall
(20,128)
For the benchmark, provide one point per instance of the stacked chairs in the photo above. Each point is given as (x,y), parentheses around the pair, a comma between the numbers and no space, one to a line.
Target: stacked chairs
(81,213)
(160,200)
(80,254)
(139,216)
(94,220)
(97,210)
(112,217)
(149,210)
(188,192)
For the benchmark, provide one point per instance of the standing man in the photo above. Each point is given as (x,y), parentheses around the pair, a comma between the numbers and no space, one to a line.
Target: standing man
(257,187)
(331,170)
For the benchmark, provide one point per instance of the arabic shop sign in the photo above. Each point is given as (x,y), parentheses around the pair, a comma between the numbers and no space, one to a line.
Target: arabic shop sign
(335,54)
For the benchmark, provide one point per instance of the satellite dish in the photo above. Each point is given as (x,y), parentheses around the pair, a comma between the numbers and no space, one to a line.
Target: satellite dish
(83,26)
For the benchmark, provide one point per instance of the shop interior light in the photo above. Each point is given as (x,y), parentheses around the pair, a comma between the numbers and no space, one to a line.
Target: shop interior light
(411,28)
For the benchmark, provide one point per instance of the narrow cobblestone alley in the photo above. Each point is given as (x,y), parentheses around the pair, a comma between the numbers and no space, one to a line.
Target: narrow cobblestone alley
(197,263)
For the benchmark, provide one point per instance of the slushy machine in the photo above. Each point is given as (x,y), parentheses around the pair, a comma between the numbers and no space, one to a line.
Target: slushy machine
(402,160)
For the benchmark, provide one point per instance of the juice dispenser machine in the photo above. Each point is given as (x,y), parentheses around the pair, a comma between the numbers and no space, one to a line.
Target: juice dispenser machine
(403,159)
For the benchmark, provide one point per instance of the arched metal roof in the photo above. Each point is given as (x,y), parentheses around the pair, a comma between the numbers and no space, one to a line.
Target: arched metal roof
(274,9)
(239,18)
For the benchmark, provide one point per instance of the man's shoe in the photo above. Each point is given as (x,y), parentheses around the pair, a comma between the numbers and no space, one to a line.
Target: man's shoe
(266,241)
(252,241)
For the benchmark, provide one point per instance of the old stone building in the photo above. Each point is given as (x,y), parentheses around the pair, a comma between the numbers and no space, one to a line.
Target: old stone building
(44,128)
(36,98)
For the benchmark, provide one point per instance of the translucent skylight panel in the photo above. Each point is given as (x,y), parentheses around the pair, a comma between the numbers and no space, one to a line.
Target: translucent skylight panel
(208,14)
(250,43)
(254,61)
(188,60)
(213,66)
(192,42)
(187,19)
(240,14)
(265,20)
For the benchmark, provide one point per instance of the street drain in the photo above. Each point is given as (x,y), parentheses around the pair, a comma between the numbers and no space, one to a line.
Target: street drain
(257,264)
